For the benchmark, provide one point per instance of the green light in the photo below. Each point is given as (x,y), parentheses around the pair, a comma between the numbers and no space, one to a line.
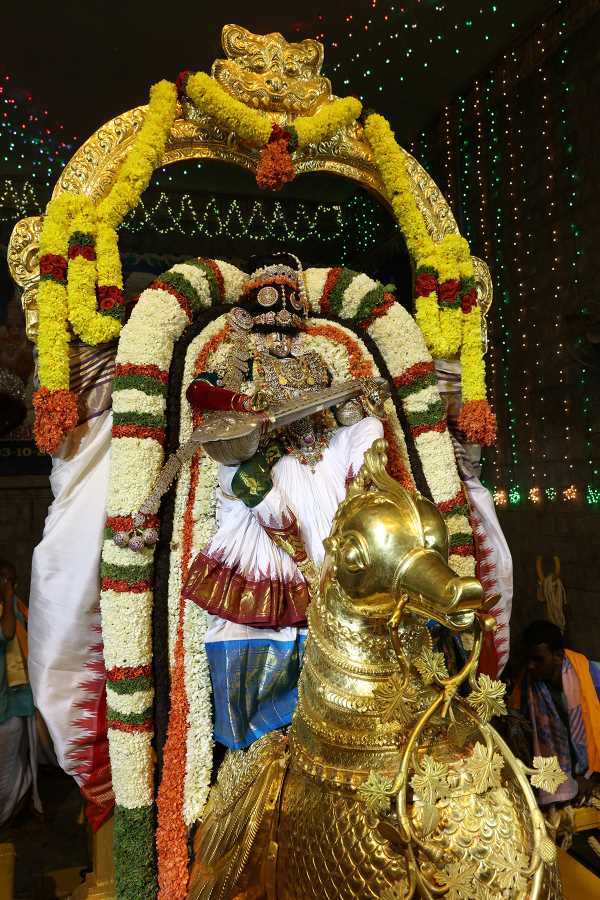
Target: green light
(592,495)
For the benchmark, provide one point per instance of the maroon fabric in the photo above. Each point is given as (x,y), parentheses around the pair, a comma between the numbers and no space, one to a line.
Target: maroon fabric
(97,792)
(203,395)
(263,603)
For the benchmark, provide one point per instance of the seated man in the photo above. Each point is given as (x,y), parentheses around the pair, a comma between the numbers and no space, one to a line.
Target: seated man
(558,693)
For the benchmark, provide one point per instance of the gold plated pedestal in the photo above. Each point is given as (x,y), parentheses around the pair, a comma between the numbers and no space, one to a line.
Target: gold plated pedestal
(100,883)
(7,871)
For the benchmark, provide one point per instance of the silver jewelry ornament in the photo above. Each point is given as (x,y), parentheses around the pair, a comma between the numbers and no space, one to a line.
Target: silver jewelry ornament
(268,295)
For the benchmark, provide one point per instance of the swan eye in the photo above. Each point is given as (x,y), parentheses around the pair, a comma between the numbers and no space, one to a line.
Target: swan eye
(352,555)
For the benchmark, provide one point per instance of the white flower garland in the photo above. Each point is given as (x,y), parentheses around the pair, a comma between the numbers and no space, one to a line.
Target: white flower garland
(355,292)
(146,343)
(132,769)
(199,741)
(314,280)
(137,462)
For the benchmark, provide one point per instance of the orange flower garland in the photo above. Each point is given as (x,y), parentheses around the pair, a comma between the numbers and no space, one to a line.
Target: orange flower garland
(210,347)
(171,836)
(275,167)
(359,366)
(396,466)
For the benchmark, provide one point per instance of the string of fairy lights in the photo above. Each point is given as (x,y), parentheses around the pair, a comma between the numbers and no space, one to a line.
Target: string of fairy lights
(501,344)
(362,49)
(29,142)
(449,158)
(572,179)
(481,153)
(522,257)
(519,257)
(355,225)
(497,146)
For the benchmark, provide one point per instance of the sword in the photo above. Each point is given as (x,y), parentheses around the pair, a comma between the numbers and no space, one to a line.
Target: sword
(232,437)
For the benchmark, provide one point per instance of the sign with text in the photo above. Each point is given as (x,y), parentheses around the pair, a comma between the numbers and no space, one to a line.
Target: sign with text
(22,458)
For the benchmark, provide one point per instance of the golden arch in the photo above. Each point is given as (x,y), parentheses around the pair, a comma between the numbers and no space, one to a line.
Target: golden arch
(196,136)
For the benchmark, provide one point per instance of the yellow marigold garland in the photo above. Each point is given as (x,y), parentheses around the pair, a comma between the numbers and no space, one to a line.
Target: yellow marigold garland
(74,227)
(135,173)
(255,126)
(53,338)
(327,121)
(247,124)
(446,299)
(91,327)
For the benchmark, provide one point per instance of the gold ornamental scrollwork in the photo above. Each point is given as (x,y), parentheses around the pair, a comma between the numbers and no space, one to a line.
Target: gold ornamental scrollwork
(263,71)
(266,72)
(483,283)
(24,266)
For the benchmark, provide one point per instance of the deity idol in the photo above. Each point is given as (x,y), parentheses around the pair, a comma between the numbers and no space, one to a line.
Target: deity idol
(274,509)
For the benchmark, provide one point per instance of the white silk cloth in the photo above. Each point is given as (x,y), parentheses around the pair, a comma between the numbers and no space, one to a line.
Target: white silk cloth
(65,655)
(254,671)
(311,496)
(496,567)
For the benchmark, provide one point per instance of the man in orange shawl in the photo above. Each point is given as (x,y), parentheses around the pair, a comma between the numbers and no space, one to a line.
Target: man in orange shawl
(559,694)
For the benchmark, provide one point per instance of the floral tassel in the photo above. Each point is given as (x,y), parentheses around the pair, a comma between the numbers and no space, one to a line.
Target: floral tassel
(55,415)
(476,420)
(275,166)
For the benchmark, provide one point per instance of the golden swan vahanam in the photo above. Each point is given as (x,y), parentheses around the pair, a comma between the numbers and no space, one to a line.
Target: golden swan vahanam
(388,785)
(262,71)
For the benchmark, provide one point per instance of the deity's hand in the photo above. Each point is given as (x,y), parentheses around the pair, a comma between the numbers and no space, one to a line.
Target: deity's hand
(259,401)
(205,396)
(373,397)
